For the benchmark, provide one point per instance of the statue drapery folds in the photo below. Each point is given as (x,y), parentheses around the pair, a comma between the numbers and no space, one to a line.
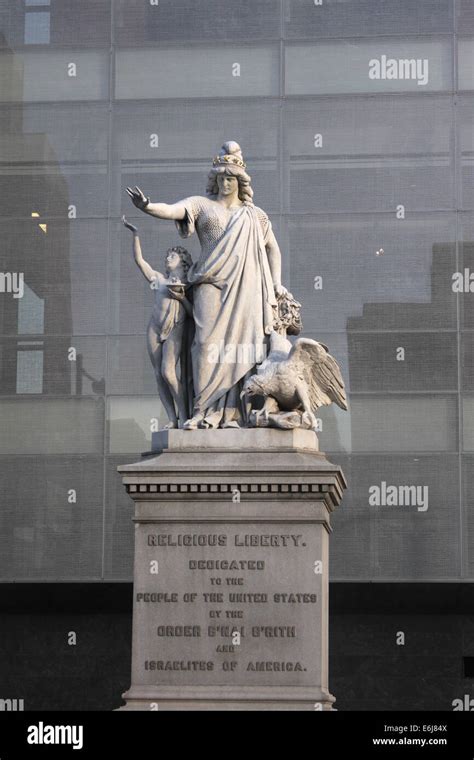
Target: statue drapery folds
(231,300)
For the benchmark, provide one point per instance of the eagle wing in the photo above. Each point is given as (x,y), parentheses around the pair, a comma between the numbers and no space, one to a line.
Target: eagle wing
(320,371)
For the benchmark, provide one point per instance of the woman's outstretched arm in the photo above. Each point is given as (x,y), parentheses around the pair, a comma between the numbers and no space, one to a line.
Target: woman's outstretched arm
(174,211)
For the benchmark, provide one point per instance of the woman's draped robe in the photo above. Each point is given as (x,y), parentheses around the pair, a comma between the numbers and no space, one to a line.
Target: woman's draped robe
(234,303)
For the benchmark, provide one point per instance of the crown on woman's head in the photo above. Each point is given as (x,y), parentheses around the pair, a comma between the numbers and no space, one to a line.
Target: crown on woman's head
(229,159)
(230,154)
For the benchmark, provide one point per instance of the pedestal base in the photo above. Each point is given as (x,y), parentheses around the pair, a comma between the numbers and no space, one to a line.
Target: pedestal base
(189,698)
(231,571)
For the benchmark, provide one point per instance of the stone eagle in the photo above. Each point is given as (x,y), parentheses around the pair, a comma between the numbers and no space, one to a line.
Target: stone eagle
(295,380)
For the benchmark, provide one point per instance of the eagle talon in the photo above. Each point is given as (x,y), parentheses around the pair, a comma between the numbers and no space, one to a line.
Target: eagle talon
(259,415)
(309,420)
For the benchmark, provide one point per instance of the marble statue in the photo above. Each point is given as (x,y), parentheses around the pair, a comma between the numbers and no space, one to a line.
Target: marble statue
(240,310)
(166,336)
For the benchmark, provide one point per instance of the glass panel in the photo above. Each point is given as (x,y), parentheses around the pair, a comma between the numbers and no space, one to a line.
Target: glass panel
(69,366)
(369,366)
(11,75)
(131,420)
(333,18)
(68,195)
(410,532)
(465,67)
(30,312)
(129,367)
(408,286)
(465,16)
(465,116)
(395,423)
(194,132)
(169,152)
(373,66)
(467,345)
(350,555)
(387,361)
(143,22)
(54,426)
(404,423)
(65,269)
(12,23)
(51,517)
(85,23)
(119,533)
(53,75)
(468,423)
(193,72)
(57,161)
(360,154)
(462,276)
(37,28)
(55,135)
(29,371)
(76,133)
(467,463)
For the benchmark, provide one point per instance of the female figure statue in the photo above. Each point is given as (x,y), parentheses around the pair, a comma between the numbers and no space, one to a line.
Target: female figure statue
(235,284)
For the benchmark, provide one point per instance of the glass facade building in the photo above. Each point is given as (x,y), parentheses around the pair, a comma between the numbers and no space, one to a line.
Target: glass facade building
(355,120)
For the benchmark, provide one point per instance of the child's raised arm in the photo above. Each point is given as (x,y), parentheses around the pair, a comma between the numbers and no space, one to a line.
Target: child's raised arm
(145,267)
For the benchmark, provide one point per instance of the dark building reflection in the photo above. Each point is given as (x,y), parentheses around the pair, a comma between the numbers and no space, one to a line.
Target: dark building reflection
(429,361)
(403,541)
(35,244)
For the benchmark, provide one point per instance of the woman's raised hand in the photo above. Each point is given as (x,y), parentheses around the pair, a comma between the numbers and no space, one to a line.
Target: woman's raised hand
(128,225)
(138,198)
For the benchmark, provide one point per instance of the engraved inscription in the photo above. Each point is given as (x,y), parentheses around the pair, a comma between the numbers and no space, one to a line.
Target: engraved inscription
(228,606)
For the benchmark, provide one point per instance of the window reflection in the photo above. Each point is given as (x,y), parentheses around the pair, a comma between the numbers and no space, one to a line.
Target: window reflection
(29,368)
(30,312)
(37,28)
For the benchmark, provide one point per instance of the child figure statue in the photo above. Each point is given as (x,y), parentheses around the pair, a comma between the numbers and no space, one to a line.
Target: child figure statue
(166,330)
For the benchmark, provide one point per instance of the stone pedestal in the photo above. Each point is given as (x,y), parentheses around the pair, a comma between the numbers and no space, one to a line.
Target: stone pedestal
(231,571)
